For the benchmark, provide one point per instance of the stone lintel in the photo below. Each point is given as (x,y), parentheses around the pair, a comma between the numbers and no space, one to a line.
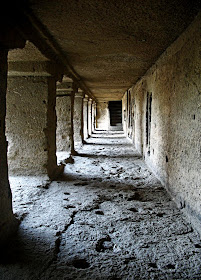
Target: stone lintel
(34,69)
(63,94)
(64,90)
(103,101)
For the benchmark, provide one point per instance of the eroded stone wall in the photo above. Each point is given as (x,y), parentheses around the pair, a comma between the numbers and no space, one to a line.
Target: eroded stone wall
(174,84)
(31,125)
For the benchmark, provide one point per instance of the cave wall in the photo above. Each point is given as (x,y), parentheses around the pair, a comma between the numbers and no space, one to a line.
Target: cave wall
(172,149)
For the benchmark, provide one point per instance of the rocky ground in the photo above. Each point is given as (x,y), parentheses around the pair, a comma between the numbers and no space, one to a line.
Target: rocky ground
(107,217)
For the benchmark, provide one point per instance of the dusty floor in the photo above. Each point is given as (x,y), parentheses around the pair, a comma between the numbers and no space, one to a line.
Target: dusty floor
(107,218)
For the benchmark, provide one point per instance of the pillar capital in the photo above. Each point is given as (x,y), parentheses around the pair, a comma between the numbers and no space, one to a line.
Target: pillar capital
(34,69)
(65,87)
(79,93)
(86,98)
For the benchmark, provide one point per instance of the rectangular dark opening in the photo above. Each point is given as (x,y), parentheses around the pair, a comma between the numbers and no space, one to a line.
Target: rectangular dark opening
(115,109)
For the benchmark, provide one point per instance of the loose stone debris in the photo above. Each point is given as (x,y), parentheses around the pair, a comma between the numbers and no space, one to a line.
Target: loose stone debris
(107,217)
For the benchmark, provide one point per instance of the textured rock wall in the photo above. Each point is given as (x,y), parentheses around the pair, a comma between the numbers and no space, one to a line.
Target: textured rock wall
(138,113)
(31,125)
(184,164)
(102,117)
(7,221)
(63,110)
(175,84)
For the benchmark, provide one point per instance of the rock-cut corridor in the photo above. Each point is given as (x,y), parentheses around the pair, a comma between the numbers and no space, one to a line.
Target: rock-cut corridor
(107,217)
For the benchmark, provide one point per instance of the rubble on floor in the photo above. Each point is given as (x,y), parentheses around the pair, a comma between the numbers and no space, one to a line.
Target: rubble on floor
(107,217)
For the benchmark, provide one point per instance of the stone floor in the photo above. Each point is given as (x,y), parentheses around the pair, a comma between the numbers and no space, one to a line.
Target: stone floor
(107,217)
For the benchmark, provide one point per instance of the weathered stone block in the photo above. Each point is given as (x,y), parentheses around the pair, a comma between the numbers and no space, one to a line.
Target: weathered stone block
(174,155)
(31,125)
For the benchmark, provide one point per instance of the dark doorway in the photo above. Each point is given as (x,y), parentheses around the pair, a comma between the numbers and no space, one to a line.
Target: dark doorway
(115,109)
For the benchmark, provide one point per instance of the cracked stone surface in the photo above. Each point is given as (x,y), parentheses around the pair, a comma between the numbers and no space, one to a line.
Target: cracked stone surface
(107,217)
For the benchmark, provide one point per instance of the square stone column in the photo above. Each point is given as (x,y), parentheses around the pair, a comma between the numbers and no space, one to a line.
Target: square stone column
(31,124)
(102,115)
(63,109)
(65,130)
(89,116)
(93,116)
(8,223)
(73,152)
(64,115)
(78,118)
(85,117)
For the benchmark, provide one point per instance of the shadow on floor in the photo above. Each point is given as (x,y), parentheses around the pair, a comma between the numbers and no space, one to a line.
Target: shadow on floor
(111,156)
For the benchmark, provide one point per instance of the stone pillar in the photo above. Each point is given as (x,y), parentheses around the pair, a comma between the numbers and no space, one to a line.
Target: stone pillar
(85,117)
(89,116)
(93,116)
(63,110)
(7,221)
(102,117)
(73,152)
(31,120)
(78,118)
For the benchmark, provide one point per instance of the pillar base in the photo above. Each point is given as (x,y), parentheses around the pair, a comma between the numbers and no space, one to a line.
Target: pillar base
(57,172)
(69,160)
(74,153)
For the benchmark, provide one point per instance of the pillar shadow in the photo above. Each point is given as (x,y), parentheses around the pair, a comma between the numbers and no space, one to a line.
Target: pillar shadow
(107,137)
(111,156)
(107,144)
(142,191)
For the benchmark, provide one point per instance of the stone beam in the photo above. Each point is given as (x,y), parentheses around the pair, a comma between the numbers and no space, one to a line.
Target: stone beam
(34,69)
(33,30)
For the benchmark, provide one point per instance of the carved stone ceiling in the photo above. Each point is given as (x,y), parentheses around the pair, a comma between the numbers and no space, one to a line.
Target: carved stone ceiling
(112,43)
